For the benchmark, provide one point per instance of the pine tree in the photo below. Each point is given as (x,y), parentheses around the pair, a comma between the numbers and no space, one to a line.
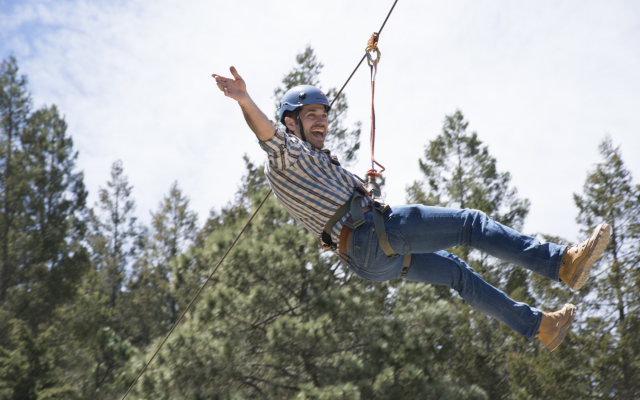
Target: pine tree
(115,236)
(99,326)
(610,196)
(29,372)
(15,106)
(90,344)
(174,225)
(600,356)
(57,216)
(151,305)
(42,228)
(459,172)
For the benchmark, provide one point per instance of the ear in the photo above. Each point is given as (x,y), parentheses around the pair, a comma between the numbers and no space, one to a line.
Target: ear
(290,123)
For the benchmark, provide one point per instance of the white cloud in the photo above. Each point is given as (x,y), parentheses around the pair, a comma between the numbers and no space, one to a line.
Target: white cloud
(541,82)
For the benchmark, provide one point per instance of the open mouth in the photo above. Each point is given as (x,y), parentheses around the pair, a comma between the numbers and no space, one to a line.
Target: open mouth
(317,135)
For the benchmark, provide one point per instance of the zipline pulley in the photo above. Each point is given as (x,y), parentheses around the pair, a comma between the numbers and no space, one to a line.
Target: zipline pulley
(372,47)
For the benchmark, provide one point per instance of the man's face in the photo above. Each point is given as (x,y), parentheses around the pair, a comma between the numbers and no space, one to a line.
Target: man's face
(315,124)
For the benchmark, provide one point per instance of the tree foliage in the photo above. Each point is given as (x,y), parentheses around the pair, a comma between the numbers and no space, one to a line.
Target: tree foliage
(87,295)
(459,172)
(280,320)
(42,229)
(610,196)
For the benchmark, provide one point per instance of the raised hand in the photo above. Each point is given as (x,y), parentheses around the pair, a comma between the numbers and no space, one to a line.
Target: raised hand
(237,90)
(234,88)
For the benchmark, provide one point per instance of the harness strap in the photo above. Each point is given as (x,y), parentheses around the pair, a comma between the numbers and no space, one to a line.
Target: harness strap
(378,220)
(406,264)
(356,211)
(352,205)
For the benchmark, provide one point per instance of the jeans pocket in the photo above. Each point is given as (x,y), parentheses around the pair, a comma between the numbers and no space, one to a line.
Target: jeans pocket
(361,238)
(377,257)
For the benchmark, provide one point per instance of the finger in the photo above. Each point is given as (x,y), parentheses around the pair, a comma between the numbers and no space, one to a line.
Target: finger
(219,77)
(222,83)
(234,72)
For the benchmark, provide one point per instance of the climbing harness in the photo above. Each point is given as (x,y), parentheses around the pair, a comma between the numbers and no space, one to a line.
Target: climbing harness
(404,269)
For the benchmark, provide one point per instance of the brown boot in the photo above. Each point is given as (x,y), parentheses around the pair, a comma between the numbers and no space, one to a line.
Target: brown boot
(577,260)
(554,325)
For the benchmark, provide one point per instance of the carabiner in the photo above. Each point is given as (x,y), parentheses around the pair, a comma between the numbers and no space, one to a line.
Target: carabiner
(372,47)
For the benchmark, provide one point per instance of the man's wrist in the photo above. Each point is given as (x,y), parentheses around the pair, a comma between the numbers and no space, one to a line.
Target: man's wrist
(245,101)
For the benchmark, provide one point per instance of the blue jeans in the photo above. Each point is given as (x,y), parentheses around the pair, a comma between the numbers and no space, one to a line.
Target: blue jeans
(424,232)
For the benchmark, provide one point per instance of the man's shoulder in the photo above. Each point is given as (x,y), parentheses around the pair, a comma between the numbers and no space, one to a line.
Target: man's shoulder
(276,140)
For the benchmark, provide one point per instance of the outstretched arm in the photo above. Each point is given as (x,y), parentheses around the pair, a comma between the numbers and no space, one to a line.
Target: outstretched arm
(237,90)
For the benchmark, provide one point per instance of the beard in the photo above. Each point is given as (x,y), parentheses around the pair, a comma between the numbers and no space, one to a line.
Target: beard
(306,134)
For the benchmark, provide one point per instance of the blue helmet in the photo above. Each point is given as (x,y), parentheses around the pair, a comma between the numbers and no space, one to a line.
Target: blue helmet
(302,95)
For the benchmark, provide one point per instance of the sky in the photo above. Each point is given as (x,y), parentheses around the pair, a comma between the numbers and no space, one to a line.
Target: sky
(541,83)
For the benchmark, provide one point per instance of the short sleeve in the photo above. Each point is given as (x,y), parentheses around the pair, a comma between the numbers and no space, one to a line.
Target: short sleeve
(283,149)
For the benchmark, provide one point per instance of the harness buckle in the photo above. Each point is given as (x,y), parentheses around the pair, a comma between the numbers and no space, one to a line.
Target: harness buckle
(380,206)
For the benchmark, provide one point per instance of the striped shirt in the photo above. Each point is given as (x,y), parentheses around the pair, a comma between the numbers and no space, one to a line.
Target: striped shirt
(308,182)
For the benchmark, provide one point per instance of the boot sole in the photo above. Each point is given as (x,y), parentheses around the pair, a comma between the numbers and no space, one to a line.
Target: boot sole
(563,329)
(600,239)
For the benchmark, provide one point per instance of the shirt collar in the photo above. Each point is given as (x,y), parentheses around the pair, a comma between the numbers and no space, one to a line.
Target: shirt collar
(327,152)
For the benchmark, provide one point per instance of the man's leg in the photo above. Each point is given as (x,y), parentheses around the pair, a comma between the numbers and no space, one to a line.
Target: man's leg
(425,231)
(430,229)
(444,268)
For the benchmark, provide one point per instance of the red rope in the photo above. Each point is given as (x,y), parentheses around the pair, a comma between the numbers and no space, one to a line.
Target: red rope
(372,46)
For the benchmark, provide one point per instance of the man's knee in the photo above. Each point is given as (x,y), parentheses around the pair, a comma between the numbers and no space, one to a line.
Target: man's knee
(474,222)
(459,270)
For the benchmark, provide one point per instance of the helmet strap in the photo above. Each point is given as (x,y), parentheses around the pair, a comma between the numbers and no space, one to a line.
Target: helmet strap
(301,129)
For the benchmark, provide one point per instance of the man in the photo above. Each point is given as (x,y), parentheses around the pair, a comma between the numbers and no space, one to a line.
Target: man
(380,243)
